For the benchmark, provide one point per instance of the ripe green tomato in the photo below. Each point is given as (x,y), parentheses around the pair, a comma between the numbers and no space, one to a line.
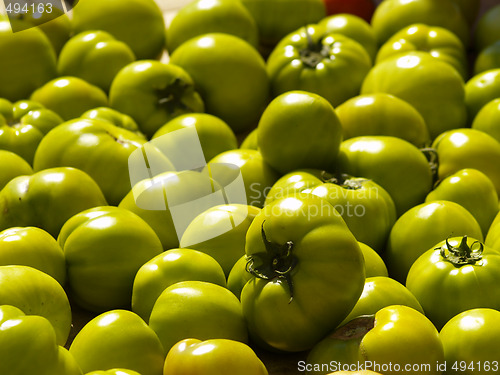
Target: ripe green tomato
(104,248)
(230,75)
(31,246)
(153,93)
(69,96)
(298,13)
(12,165)
(258,175)
(19,75)
(168,268)
(307,273)
(250,141)
(218,16)
(433,87)
(455,275)
(493,236)
(396,165)
(288,120)
(217,356)
(441,43)
(99,148)
(220,232)
(113,117)
(139,23)
(397,337)
(94,56)
(37,293)
(380,292)
(54,195)
(393,15)
(488,59)
(353,27)
(468,148)
(197,309)
(311,58)
(472,337)
(292,184)
(480,90)
(488,119)
(488,28)
(374,264)
(115,371)
(422,227)
(214,134)
(67,363)
(382,114)
(474,191)
(118,339)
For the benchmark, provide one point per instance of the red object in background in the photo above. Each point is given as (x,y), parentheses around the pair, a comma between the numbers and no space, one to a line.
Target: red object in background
(360,8)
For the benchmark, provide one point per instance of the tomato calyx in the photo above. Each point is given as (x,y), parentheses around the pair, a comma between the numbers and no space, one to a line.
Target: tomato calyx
(312,55)
(433,158)
(343,180)
(463,254)
(277,262)
(170,97)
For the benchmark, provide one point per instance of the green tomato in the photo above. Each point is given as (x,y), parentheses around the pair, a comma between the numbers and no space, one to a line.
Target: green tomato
(311,58)
(104,248)
(214,134)
(250,141)
(488,58)
(455,275)
(472,337)
(138,23)
(115,371)
(12,165)
(433,87)
(380,292)
(439,42)
(393,163)
(69,96)
(393,15)
(308,272)
(353,27)
(153,93)
(288,120)
(36,293)
(118,339)
(219,16)
(229,74)
(258,176)
(294,183)
(95,56)
(19,75)
(197,309)
(488,28)
(217,356)
(220,232)
(468,148)
(168,268)
(238,276)
(422,227)
(31,246)
(480,90)
(374,264)
(113,117)
(488,119)
(382,114)
(493,236)
(66,363)
(396,339)
(54,195)
(99,148)
(471,189)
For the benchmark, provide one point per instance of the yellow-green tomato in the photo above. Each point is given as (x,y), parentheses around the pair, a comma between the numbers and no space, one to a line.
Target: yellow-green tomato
(471,340)
(488,119)
(220,232)
(374,264)
(118,339)
(238,276)
(34,247)
(382,114)
(114,371)
(95,56)
(493,236)
(471,189)
(66,363)
(214,134)
(217,356)
(113,117)
(197,309)
(36,293)
(104,249)
(250,141)
(12,165)
(69,97)
(480,90)
(168,268)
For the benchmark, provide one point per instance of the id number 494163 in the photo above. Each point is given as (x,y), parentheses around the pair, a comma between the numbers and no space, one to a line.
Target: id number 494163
(479,366)
(36,7)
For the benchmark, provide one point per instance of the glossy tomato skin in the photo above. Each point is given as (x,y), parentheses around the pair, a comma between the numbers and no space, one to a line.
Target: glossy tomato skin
(374,264)
(488,119)
(12,165)
(446,286)
(480,90)
(311,58)
(217,356)
(472,337)
(307,273)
